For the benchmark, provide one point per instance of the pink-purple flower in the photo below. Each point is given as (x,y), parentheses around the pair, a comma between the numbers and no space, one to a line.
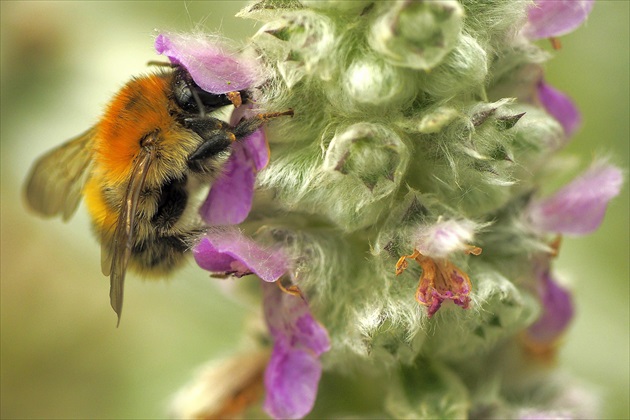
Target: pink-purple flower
(294,370)
(576,209)
(551,18)
(228,251)
(560,107)
(231,195)
(579,207)
(548,19)
(293,373)
(212,64)
(444,237)
(557,311)
(217,69)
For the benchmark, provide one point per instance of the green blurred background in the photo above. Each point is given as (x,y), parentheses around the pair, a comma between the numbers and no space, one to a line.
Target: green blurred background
(62,356)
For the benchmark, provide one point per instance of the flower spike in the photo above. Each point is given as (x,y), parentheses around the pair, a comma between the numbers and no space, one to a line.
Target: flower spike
(423,128)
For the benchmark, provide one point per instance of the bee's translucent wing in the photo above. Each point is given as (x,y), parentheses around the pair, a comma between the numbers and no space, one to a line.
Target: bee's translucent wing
(124,233)
(56,180)
(106,255)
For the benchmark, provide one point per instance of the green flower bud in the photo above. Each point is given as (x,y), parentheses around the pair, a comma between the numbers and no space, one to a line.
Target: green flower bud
(371,81)
(416,34)
(370,154)
(464,69)
(307,40)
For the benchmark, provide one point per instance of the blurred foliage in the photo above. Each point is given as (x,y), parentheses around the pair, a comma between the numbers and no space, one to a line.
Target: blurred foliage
(62,356)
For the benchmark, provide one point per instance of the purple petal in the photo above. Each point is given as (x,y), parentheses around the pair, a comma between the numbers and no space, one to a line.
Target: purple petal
(579,207)
(257,149)
(229,251)
(256,144)
(242,112)
(557,311)
(210,63)
(293,374)
(551,18)
(290,320)
(210,258)
(559,106)
(230,198)
(291,380)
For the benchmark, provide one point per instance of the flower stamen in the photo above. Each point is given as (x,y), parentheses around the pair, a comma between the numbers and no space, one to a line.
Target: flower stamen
(555,246)
(235,98)
(402,263)
(473,250)
(555,43)
(292,290)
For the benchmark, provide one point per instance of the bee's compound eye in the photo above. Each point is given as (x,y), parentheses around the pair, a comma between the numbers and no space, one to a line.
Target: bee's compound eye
(183,95)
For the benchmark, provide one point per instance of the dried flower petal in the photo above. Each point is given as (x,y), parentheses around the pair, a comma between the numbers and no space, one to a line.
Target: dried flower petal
(230,252)
(579,207)
(550,18)
(440,280)
(294,370)
(560,106)
(210,63)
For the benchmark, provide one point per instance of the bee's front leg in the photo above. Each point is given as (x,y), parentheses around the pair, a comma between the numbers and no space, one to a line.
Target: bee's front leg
(216,135)
(245,127)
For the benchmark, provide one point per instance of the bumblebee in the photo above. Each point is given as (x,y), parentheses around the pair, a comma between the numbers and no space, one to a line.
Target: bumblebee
(138,168)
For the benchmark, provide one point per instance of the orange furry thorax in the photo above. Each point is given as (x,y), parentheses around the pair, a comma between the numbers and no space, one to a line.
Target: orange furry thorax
(140,107)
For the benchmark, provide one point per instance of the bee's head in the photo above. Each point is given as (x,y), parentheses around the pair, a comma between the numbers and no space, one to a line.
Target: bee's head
(190,97)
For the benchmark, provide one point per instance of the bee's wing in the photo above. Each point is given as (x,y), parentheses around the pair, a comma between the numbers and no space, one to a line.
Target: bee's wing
(56,180)
(118,250)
